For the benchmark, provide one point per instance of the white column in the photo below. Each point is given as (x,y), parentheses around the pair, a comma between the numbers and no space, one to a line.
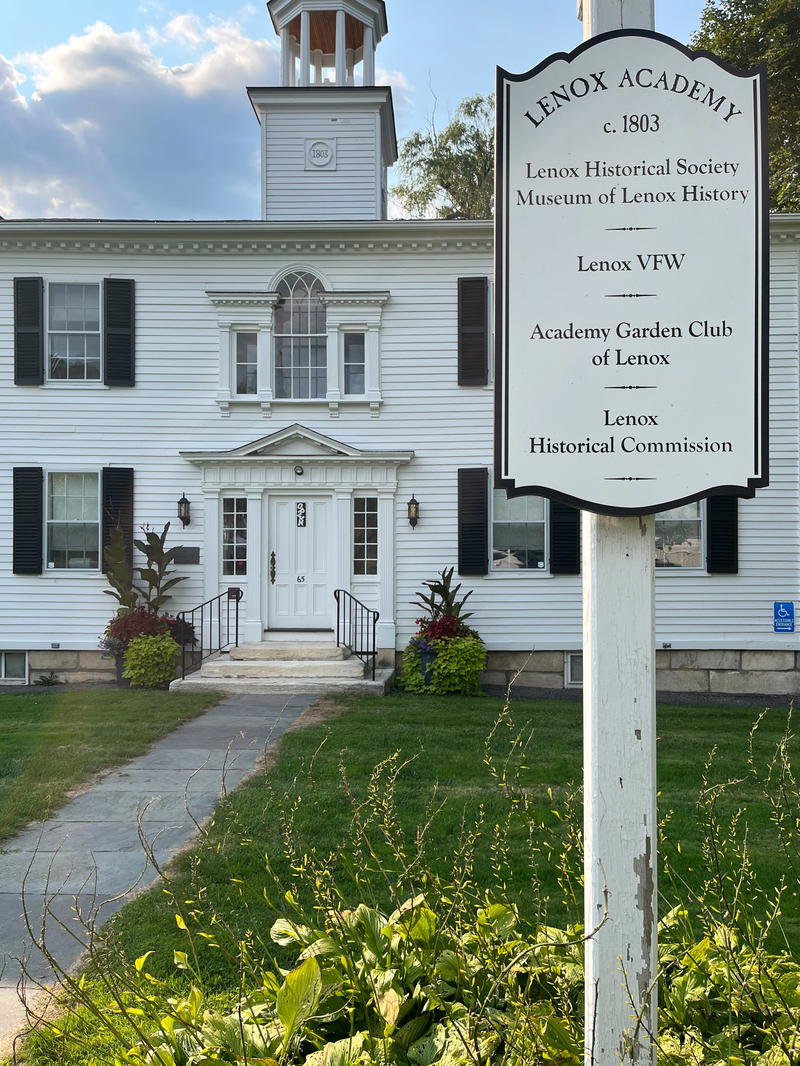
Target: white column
(333,393)
(225,369)
(316,62)
(292,61)
(385,630)
(599,16)
(620,831)
(369,56)
(286,55)
(212,531)
(250,619)
(341,58)
(305,47)
(351,66)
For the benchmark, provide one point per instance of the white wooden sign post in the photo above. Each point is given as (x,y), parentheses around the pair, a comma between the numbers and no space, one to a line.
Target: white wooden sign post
(631,378)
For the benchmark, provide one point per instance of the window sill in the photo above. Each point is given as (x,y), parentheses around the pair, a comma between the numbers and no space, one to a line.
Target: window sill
(538,575)
(372,402)
(91,386)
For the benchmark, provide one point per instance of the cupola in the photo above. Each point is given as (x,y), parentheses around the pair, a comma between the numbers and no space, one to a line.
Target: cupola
(328,42)
(327,132)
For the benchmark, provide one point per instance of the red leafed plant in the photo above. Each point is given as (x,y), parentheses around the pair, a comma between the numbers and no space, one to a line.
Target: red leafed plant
(446,625)
(140,622)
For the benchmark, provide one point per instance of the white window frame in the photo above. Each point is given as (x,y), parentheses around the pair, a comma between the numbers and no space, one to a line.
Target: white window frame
(236,332)
(13,680)
(701,567)
(365,576)
(519,571)
(234,496)
(49,380)
(571,658)
(346,312)
(54,471)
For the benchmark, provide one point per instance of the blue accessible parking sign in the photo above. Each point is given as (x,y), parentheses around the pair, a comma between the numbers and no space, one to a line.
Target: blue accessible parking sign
(783,617)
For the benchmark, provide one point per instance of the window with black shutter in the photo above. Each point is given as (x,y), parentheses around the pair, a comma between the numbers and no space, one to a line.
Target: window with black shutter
(62,334)
(473,331)
(28,519)
(28,331)
(722,535)
(473,520)
(565,539)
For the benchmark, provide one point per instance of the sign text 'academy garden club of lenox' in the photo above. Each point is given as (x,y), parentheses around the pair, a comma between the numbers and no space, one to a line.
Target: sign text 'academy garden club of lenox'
(631,265)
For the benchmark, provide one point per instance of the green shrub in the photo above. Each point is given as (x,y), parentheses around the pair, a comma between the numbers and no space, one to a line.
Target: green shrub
(150,661)
(443,665)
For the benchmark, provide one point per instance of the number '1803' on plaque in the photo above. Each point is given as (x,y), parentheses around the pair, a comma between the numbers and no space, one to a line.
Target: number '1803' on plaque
(631,238)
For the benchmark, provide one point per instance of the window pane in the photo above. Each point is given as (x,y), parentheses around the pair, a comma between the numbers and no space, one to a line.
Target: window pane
(234,536)
(73,526)
(246,363)
(365,535)
(518,532)
(300,315)
(14,665)
(354,364)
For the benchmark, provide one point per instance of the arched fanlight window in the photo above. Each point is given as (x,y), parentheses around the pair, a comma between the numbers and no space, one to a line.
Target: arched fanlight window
(300,338)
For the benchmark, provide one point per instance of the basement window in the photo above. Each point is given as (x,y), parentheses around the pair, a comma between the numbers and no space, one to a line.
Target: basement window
(573,669)
(14,667)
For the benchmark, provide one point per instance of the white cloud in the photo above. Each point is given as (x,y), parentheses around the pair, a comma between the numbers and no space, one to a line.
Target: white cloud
(112,131)
(104,127)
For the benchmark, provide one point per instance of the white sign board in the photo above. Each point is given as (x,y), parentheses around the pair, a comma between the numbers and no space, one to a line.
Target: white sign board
(631,267)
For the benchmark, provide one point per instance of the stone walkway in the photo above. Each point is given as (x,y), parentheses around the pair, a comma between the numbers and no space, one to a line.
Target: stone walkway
(88,857)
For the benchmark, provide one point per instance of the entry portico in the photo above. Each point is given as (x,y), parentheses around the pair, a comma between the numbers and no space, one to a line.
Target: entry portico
(280,519)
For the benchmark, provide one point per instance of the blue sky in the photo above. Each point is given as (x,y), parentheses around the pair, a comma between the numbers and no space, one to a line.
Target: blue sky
(136,108)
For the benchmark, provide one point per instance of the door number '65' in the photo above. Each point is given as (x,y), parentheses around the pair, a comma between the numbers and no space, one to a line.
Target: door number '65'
(301,579)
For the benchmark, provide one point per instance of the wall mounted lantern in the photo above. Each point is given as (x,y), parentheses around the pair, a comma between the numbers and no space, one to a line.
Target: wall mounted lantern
(184,510)
(413,512)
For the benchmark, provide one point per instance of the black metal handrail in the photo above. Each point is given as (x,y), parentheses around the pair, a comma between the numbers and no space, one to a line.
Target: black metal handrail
(202,629)
(355,627)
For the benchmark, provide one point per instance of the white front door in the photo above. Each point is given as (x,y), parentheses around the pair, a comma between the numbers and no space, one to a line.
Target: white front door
(300,540)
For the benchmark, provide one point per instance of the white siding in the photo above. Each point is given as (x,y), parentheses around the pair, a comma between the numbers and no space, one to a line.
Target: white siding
(349,192)
(172,409)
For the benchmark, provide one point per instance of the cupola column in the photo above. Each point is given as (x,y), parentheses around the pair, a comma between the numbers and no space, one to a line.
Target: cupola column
(316,62)
(305,48)
(286,56)
(369,56)
(341,49)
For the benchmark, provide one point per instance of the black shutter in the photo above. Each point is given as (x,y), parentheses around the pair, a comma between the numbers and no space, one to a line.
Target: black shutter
(565,539)
(117,509)
(28,331)
(473,331)
(28,519)
(722,535)
(473,520)
(119,332)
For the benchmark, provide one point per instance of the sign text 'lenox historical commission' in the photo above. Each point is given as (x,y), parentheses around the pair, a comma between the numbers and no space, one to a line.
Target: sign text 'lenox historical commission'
(631,229)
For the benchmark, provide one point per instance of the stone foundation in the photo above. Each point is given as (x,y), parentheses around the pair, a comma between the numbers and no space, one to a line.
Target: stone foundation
(72,667)
(741,673)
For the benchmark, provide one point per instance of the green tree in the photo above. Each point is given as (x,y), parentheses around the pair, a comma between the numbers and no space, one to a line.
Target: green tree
(746,32)
(451,171)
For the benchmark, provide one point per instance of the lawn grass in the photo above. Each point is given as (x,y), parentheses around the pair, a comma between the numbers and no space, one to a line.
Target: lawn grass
(446,773)
(53,741)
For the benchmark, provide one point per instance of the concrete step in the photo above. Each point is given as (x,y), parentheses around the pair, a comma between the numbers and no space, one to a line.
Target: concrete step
(261,686)
(226,667)
(289,650)
(299,636)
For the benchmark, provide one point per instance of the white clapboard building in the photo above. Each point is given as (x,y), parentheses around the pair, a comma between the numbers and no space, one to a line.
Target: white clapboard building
(296,381)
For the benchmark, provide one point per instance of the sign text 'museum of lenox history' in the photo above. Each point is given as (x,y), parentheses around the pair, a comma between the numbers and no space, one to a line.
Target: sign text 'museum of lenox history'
(630,232)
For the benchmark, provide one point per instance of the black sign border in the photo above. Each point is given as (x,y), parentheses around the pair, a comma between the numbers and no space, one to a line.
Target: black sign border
(761,389)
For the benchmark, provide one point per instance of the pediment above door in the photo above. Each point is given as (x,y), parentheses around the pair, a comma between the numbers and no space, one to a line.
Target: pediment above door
(294,454)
